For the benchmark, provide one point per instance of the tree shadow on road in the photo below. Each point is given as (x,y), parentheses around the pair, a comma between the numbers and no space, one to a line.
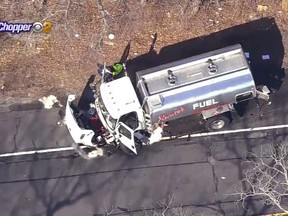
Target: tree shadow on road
(55,186)
(52,191)
(236,156)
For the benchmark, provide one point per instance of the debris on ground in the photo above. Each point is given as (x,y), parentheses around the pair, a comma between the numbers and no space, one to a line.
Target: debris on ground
(262,8)
(111,36)
(48,102)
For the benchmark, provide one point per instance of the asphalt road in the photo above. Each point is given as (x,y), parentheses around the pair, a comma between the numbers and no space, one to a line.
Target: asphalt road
(31,129)
(201,174)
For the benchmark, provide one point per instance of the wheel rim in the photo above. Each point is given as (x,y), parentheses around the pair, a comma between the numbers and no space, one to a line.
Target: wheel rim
(218,124)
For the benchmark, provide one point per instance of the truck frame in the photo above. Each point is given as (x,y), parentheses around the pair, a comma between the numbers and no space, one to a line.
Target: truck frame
(126,116)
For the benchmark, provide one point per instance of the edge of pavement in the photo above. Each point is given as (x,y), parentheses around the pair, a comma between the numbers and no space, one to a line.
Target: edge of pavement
(10,104)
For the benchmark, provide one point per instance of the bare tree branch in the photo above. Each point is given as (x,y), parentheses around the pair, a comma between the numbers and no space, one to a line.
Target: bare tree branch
(267,178)
(53,14)
(103,14)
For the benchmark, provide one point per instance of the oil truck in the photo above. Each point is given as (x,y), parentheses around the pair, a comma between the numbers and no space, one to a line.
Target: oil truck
(126,115)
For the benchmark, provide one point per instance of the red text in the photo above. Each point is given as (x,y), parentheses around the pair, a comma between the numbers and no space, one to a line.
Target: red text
(164,117)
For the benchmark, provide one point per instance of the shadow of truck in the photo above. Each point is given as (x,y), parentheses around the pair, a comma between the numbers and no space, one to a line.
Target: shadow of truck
(261,40)
(258,38)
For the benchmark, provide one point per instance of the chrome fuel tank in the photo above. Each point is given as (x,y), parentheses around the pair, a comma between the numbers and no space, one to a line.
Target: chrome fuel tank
(197,83)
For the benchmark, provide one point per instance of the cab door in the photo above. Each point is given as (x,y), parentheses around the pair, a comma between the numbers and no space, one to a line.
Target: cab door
(126,137)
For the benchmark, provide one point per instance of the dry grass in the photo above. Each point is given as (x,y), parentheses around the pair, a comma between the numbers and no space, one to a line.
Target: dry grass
(35,65)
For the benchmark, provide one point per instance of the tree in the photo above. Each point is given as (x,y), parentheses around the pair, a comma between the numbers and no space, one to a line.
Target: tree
(162,208)
(267,178)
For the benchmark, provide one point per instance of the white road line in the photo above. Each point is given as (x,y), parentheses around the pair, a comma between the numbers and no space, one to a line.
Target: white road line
(50,150)
(229,132)
(42,151)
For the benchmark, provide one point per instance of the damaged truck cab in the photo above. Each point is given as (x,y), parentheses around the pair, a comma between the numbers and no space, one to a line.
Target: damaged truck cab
(120,112)
(208,85)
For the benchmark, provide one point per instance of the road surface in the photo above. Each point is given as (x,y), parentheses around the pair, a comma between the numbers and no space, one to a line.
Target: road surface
(199,173)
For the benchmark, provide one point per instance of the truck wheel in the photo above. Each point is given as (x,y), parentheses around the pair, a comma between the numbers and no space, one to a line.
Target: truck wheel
(217,123)
(127,151)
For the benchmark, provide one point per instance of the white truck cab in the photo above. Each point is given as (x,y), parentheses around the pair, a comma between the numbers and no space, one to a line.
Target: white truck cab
(120,111)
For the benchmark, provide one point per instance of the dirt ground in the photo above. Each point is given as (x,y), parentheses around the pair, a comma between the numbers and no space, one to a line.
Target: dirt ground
(33,65)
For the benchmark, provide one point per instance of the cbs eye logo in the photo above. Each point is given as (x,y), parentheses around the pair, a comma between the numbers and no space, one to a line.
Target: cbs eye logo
(45,27)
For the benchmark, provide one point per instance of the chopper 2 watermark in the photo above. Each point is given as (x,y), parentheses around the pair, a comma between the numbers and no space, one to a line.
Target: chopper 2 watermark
(16,28)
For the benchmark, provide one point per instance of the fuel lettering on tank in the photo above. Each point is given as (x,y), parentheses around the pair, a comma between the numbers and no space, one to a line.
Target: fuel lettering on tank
(205,103)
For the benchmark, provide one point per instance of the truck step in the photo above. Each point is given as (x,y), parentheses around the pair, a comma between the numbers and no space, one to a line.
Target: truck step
(148,123)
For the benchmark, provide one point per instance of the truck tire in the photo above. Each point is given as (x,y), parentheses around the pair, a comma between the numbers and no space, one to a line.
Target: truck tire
(217,123)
